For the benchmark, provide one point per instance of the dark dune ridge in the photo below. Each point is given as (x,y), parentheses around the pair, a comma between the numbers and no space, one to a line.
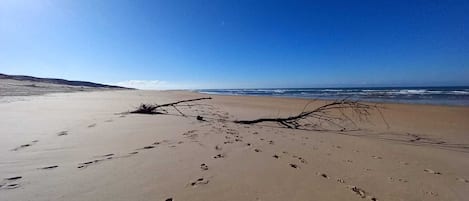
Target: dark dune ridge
(57,81)
(22,85)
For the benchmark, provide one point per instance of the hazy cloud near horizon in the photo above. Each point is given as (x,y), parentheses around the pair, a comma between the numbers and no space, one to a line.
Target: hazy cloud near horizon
(151,85)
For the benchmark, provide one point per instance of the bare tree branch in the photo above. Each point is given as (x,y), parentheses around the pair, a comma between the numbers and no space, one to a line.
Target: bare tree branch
(334,114)
(159,109)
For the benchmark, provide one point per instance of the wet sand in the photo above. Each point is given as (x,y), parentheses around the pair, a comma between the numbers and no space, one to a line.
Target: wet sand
(81,146)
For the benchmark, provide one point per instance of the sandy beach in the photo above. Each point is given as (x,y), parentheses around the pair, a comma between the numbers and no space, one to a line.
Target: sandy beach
(234,100)
(81,146)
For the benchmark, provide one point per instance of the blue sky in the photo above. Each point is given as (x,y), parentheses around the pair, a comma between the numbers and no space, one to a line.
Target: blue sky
(238,44)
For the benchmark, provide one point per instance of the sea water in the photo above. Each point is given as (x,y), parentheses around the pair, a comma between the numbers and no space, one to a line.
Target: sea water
(417,95)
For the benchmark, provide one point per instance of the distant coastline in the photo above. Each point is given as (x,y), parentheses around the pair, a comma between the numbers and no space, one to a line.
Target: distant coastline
(447,95)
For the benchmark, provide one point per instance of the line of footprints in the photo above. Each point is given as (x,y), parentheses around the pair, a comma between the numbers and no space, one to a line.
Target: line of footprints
(232,137)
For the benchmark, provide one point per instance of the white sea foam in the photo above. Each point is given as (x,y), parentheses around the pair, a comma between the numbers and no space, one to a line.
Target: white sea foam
(435,95)
(460,92)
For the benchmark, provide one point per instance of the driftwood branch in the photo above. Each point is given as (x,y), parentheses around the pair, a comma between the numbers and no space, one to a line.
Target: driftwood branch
(337,114)
(160,109)
(334,114)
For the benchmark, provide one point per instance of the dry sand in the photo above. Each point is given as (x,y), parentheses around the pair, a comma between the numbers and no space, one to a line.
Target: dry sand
(76,146)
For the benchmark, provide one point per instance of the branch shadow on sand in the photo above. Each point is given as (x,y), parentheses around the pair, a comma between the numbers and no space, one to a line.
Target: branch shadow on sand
(327,123)
(411,139)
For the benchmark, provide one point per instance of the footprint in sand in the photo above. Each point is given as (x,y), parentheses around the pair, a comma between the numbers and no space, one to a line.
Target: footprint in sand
(199,181)
(338,147)
(431,171)
(21,147)
(219,156)
(293,165)
(302,160)
(398,179)
(257,150)
(10,183)
(13,178)
(62,133)
(324,175)
(25,145)
(88,163)
(9,186)
(462,180)
(360,192)
(191,135)
(203,166)
(146,147)
(49,167)
(106,155)
(339,180)
(431,193)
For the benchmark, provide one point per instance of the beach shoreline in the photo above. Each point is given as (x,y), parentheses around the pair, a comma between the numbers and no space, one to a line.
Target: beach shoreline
(455,95)
(330,99)
(82,146)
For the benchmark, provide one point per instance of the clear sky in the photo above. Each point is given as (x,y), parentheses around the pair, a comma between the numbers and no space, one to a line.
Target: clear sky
(238,44)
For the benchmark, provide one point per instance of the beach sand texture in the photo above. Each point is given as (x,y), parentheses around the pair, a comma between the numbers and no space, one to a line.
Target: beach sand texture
(79,146)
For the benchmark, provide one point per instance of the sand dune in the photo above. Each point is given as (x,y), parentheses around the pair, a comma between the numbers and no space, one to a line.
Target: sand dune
(80,146)
(21,85)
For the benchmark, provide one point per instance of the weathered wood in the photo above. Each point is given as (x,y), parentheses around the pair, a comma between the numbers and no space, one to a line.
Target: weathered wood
(321,113)
(153,109)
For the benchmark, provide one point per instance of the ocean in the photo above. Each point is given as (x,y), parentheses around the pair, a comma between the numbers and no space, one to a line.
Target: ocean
(414,95)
